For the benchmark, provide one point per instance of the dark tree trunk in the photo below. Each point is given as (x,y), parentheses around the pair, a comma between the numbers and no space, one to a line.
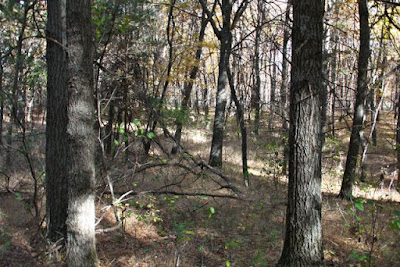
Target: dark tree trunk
(243,130)
(358,118)
(303,240)
(1,100)
(56,122)
(257,83)
(109,129)
(188,87)
(284,89)
(152,124)
(273,87)
(398,131)
(15,85)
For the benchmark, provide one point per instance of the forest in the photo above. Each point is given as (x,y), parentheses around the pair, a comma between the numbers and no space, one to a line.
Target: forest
(199,133)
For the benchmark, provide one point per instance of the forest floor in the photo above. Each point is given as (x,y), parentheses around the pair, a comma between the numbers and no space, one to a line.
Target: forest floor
(188,228)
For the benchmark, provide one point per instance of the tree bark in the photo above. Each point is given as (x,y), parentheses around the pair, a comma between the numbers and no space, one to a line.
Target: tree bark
(56,121)
(359,109)
(303,240)
(80,136)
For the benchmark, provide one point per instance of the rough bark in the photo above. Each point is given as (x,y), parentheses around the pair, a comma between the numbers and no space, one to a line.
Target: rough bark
(80,137)
(303,240)
(56,121)
(359,109)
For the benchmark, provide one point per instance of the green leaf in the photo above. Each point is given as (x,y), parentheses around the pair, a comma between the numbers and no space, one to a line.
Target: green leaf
(397,212)
(116,143)
(359,204)
(150,135)
(164,160)
(227,263)
(136,122)
(121,130)
(212,210)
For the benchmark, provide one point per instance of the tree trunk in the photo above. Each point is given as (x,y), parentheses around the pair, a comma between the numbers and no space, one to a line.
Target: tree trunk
(1,99)
(243,130)
(80,137)
(16,78)
(358,118)
(273,87)
(188,87)
(303,240)
(398,131)
(257,83)
(225,38)
(56,121)
(284,89)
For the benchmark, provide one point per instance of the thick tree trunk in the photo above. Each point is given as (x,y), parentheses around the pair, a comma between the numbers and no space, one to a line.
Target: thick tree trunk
(80,137)
(303,241)
(359,112)
(56,121)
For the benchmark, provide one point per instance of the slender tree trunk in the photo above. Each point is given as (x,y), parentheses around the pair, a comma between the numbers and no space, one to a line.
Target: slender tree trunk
(1,100)
(158,109)
(358,118)
(243,130)
(56,121)
(273,87)
(284,89)
(398,131)
(257,83)
(16,78)
(303,240)
(80,137)
(188,87)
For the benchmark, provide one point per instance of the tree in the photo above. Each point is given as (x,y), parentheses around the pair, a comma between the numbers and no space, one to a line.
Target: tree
(359,109)
(303,240)
(72,60)
(56,121)
(224,35)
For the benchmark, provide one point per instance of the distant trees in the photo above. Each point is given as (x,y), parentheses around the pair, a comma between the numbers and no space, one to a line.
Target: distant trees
(303,239)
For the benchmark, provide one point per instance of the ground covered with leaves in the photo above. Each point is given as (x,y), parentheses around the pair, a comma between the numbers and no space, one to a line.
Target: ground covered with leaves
(174,210)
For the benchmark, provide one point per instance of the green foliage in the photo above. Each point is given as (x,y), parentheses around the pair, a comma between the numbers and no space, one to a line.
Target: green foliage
(395,221)
(363,258)
(184,231)
(211,212)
